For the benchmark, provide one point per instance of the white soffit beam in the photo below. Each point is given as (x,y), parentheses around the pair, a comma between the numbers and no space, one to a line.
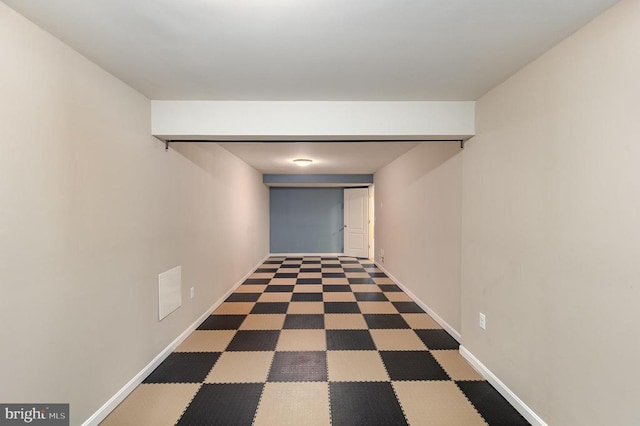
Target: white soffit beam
(294,120)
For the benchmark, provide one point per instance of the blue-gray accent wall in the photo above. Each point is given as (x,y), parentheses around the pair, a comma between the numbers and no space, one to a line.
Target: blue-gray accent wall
(306,220)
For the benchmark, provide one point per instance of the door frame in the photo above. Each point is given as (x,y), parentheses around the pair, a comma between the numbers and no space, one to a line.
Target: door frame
(362,223)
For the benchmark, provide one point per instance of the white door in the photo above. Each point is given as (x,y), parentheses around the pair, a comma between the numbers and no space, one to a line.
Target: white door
(356,222)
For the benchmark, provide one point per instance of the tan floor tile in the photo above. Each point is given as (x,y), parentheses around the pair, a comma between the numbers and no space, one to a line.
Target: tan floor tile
(302,340)
(357,275)
(303,274)
(249,288)
(282,281)
(305,308)
(397,296)
(292,262)
(308,288)
(263,322)
(456,367)
(241,367)
(262,275)
(342,281)
(383,280)
(206,341)
(377,308)
(365,288)
(344,322)
(339,296)
(420,321)
(275,297)
(294,404)
(355,366)
(397,340)
(231,308)
(153,404)
(436,403)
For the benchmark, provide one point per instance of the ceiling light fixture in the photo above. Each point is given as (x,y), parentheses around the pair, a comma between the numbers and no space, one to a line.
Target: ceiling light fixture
(302,162)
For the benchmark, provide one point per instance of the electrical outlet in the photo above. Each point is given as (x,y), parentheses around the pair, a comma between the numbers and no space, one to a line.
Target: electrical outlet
(193,292)
(483,321)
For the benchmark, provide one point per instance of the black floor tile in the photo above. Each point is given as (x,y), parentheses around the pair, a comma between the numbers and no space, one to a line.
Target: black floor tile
(490,404)
(298,367)
(266,270)
(286,275)
(273,262)
(333,275)
(305,269)
(304,321)
(385,321)
(184,367)
(289,266)
(304,281)
(364,403)
(390,288)
(223,404)
(332,288)
(243,297)
(270,308)
(341,308)
(345,340)
(311,262)
(368,265)
(407,307)
(332,266)
(349,262)
(437,339)
(259,281)
(278,289)
(254,340)
(371,297)
(412,365)
(361,281)
(222,322)
(377,275)
(306,297)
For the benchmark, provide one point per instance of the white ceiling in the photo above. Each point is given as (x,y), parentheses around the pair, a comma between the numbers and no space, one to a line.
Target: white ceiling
(365,50)
(311,49)
(328,157)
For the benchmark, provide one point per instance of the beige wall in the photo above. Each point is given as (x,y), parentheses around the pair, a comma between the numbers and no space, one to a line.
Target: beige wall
(417,211)
(551,230)
(91,209)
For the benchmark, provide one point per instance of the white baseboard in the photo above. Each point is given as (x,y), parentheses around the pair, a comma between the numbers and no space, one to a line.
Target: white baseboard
(452,331)
(115,400)
(306,254)
(513,399)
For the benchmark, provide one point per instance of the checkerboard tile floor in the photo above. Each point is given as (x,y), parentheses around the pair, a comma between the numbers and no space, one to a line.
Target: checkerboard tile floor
(316,341)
